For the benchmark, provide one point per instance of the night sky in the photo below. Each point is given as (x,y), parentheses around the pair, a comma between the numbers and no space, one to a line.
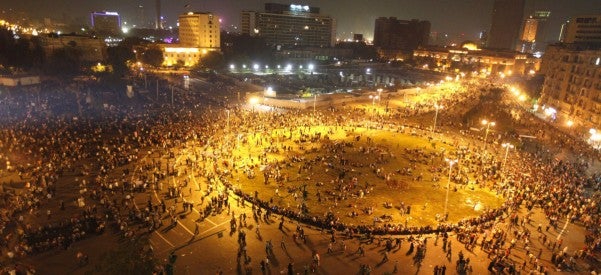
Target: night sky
(447,16)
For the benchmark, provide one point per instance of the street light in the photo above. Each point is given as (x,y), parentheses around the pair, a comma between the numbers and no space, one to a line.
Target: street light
(507,146)
(570,123)
(228,120)
(436,108)
(595,138)
(446,201)
(488,124)
(373,101)
(253,101)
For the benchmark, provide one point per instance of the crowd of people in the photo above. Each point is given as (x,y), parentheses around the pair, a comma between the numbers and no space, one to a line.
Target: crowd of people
(59,141)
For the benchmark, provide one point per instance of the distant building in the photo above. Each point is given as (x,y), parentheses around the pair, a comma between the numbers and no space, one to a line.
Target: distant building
(573,81)
(158,20)
(91,49)
(533,32)
(507,19)
(573,72)
(199,33)
(470,59)
(358,37)
(200,30)
(394,34)
(584,29)
(290,26)
(106,23)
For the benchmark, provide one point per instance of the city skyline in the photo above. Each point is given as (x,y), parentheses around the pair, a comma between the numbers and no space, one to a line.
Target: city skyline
(464,18)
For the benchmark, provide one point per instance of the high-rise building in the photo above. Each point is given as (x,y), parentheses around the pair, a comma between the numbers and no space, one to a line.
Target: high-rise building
(290,26)
(507,19)
(533,32)
(394,34)
(141,17)
(573,72)
(584,29)
(530,28)
(200,30)
(572,84)
(158,23)
(106,23)
(199,34)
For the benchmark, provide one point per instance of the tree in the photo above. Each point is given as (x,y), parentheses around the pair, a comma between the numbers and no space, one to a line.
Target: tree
(65,61)
(19,53)
(118,57)
(212,60)
(153,56)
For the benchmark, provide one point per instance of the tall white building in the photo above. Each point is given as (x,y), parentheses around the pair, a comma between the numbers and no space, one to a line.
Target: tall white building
(199,33)
(199,29)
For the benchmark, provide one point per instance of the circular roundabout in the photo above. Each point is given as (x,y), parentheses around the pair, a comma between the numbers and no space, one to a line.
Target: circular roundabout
(397,180)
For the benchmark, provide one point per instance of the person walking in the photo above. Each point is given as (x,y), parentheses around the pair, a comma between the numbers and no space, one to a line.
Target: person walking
(283,244)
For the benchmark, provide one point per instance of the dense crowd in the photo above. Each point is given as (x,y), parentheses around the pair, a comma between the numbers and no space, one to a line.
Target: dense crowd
(61,139)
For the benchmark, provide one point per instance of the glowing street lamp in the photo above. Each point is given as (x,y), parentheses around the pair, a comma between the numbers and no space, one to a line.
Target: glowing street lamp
(507,146)
(570,123)
(373,101)
(595,138)
(436,108)
(253,101)
(228,120)
(446,201)
(488,124)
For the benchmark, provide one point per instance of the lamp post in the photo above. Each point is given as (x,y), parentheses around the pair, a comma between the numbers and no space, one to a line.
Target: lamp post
(488,124)
(436,108)
(379,95)
(253,101)
(507,146)
(373,102)
(595,138)
(446,201)
(228,120)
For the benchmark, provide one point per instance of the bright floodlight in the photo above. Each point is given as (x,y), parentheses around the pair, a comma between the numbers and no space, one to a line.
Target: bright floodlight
(232,66)
(253,100)
(311,67)
(256,66)
(505,145)
(451,161)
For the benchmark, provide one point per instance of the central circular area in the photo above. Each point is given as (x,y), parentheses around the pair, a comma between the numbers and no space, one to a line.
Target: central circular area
(361,176)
